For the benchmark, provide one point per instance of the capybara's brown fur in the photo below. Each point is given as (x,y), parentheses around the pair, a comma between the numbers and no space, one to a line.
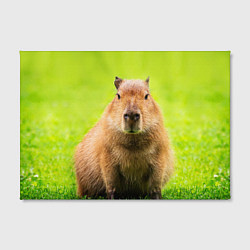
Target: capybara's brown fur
(127,153)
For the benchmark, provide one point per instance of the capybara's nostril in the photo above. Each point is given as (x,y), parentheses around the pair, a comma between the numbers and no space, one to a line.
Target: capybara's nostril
(132,116)
(136,117)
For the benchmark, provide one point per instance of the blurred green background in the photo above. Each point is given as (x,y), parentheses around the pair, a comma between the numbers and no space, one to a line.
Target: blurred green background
(63,94)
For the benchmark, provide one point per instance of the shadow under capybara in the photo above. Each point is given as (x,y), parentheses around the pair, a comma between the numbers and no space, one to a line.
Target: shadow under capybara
(127,153)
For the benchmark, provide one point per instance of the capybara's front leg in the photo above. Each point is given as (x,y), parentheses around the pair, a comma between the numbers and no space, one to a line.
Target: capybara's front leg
(110,186)
(155,183)
(110,174)
(109,179)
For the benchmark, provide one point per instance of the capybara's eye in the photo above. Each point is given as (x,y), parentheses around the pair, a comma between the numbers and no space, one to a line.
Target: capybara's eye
(146,96)
(119,97)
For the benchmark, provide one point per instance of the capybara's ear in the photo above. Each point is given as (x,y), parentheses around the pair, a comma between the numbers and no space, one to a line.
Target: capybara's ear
(117,82)
(147,81)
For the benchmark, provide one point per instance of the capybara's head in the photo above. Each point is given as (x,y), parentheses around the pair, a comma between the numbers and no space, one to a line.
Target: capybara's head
(133,110)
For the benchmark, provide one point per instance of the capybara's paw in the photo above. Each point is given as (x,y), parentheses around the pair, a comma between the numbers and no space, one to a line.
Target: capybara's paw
(155,194)
(111,194)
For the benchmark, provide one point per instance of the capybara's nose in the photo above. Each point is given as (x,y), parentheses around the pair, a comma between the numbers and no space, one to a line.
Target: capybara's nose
(133,116)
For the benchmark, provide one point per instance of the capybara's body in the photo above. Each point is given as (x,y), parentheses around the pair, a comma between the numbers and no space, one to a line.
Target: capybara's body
(127,154)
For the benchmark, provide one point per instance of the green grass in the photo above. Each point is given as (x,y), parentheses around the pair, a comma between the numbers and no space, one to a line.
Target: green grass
(63,94)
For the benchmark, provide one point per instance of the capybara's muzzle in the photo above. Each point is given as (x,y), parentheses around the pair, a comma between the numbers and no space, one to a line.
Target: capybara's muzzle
(132,121)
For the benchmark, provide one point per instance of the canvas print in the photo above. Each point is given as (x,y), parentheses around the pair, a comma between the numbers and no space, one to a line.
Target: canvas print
(125,125)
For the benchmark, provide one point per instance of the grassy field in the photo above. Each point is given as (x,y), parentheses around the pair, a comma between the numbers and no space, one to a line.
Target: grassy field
(63,94)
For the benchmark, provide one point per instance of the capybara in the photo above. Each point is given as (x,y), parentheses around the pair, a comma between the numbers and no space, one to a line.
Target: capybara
(127,153)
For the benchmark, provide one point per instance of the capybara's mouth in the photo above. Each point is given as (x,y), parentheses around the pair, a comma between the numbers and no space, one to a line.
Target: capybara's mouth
(132,131)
